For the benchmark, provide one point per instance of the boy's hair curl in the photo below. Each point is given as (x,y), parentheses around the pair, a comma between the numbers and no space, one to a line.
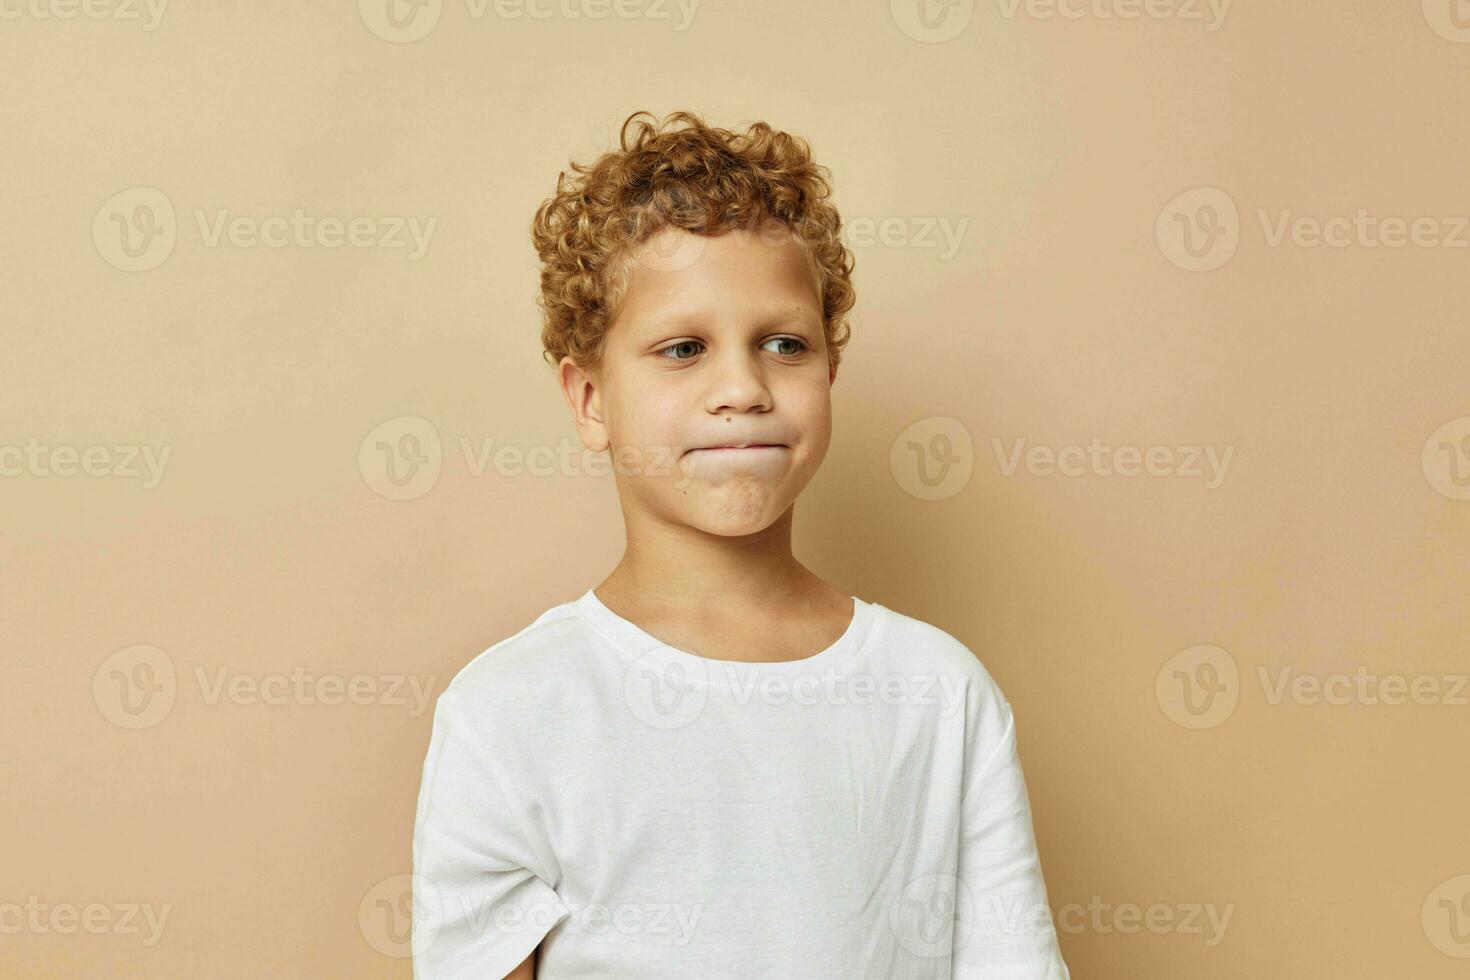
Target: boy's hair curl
(689,175)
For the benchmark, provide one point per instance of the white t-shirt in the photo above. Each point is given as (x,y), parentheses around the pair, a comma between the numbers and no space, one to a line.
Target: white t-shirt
(641,811)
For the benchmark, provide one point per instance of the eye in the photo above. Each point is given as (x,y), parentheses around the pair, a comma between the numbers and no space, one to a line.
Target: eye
(686,345)
(676,346)
(800,345)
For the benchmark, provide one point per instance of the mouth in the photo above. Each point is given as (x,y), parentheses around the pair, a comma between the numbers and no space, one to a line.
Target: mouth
(739,446)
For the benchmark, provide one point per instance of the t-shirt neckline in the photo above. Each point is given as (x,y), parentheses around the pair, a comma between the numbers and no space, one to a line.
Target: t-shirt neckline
(639,645)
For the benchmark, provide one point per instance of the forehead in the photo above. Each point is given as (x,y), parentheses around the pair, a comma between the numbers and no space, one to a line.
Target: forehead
(735,270)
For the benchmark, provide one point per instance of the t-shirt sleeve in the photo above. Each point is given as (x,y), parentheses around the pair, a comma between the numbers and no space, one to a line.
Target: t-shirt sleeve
(481,897)
(1010,934)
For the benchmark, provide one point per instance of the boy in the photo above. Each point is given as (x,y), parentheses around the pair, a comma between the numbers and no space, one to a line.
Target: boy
(714,764)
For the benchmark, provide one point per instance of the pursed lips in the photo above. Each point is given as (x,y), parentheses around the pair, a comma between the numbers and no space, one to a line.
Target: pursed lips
(742,445)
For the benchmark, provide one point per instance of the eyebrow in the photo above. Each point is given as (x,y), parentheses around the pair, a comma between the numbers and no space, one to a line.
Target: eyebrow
(695,317)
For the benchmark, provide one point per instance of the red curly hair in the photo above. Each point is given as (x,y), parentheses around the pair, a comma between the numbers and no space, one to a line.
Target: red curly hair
(685,174)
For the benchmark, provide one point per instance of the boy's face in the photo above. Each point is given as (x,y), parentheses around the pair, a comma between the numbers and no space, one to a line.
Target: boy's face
(718,342)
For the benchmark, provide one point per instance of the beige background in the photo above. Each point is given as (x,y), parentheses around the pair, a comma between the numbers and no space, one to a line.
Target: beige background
(276,835)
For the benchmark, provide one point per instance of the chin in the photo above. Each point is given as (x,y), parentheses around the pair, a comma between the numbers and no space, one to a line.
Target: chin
(732,513)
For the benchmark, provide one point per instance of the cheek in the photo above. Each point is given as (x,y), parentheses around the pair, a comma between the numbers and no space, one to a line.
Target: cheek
(814,410)
(654,424)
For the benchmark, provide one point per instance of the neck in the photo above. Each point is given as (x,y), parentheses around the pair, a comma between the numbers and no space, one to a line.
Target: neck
(666,565)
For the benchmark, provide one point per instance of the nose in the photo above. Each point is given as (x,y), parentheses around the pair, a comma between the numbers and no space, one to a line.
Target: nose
(738,383)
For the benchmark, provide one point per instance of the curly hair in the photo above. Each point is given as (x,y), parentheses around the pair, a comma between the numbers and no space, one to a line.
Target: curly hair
(688,175)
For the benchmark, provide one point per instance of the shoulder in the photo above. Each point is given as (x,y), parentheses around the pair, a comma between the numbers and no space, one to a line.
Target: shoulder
(917,649)
(989,719)
(529,665)
(923,645)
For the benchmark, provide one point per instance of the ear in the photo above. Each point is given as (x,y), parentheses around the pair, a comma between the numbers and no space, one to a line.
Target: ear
(582,388)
